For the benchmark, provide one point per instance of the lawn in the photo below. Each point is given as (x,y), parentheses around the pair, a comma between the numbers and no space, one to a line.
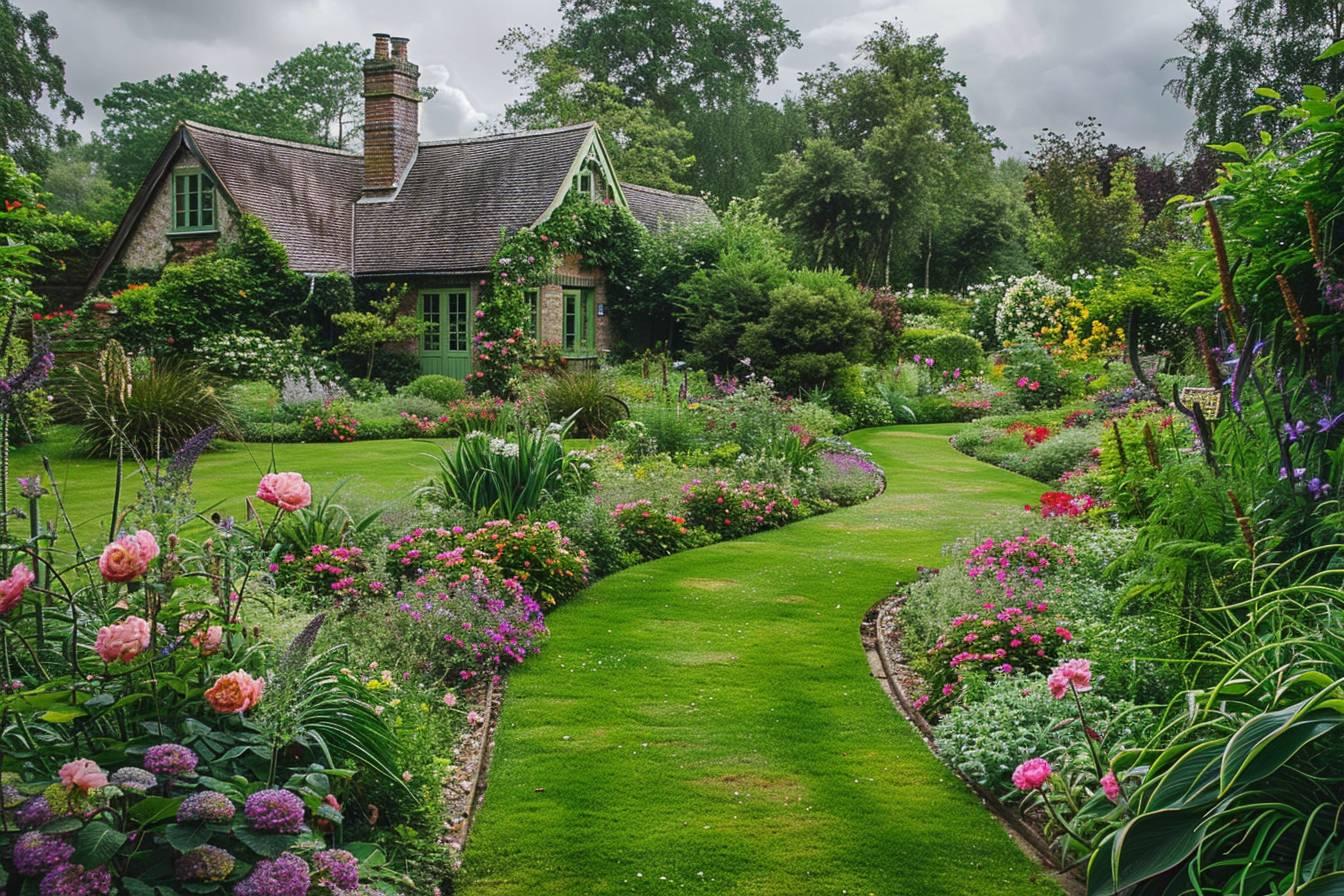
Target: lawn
(374,473)
(708,723)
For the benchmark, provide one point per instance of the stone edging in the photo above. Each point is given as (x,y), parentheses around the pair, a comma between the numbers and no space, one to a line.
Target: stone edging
(887,666)
(471,759)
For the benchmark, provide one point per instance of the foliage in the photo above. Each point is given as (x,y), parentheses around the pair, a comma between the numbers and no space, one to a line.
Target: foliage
(252,355)
(847,477)
(31,73)
(436,387)
(1035,376)
(507,474)
(586,399)
(650,530)
(364,333)
(151,407)
(730,511)
(1030,305)
(1080,218)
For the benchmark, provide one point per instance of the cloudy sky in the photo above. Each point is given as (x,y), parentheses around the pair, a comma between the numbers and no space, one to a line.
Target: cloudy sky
(1029,63)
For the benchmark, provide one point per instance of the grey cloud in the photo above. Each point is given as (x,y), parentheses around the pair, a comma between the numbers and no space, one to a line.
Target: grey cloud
(1029,63)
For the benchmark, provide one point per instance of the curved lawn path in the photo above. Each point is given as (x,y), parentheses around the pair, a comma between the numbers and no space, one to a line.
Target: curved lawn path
(707,722)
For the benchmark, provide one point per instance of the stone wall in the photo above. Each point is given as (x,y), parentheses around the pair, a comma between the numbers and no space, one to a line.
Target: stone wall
(150,247)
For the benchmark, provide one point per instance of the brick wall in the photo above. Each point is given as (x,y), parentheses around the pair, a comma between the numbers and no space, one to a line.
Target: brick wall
(391,116)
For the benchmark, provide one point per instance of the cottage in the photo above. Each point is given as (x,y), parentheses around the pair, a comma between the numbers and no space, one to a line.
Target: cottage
(428,213)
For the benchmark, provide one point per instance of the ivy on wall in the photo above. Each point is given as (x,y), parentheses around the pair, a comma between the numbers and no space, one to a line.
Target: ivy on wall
(604,235)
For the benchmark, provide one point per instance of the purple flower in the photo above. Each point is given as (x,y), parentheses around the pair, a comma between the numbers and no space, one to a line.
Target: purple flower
(206,806)
(1318,489)
(171,760)
(73,880)
(1325,424)
(1295,431)
(276,811)
(133,780)
(337,869)
(205,864)
(31,487)
(35,813)
(1295,475)
(36,853)
(287,875)
(29,378)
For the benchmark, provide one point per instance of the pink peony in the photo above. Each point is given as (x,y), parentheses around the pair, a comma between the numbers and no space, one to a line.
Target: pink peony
(122,641)
(1111,787)
(287,491)
(128,558)
(208,640)
(1075,673)
(84,774)
(12,588)
(1032,774)
(235,692)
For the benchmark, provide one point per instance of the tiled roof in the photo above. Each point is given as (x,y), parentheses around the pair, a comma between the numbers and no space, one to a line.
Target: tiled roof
(659,209)
(457,197)
(302,193)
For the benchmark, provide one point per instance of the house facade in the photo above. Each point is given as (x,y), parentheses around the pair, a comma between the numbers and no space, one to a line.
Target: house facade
(427,213)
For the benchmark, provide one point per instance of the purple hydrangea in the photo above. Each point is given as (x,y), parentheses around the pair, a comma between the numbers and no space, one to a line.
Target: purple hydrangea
(171,760)
(204,864)
(34,813)
(287,875)
(206,806)
(73,880)
(276,811)
(36,853)
(133,780)
(337,869)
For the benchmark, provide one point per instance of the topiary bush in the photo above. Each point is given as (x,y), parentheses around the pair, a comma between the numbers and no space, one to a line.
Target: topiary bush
(436,387)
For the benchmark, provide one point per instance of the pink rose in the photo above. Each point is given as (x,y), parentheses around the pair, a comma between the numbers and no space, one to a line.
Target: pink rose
(12,588)
(1032,774)
(123,641)
(84,774)
(128,558)
(235,692)
(287,491)
(1075,673)
(1111,787)
(208,640)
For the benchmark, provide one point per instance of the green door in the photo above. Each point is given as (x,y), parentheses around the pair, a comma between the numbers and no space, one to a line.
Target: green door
(580,323)
(445,346)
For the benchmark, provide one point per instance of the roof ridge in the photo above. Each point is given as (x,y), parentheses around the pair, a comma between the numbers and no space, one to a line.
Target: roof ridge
(672,193)
(511,135)
(262,138)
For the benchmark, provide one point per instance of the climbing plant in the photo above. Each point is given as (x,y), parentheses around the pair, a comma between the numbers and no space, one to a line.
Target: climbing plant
(604,235)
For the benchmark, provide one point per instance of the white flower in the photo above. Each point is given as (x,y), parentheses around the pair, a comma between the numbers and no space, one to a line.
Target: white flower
(510,449)
(497,446)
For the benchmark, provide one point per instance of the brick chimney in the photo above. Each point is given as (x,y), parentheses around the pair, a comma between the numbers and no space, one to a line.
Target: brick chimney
(391,115)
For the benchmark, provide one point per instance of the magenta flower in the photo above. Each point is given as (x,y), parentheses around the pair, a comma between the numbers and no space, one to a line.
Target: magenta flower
(1070,673)
(170,760)
(287,875)
(1111,787)
(275,811)
(36,853)
(1032,774)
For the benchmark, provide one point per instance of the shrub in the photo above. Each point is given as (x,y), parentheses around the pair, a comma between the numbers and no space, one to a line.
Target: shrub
(333,422)
(957,351)
(650,530)
(846,478)
(1035,376)
(1014,717)
(326,572)
(508,477)
(1029,305)
(536,554)
(459,418)
(590,527)
(730,511)
(463,626)
(670,430)
(1064,451)
(150,407)
(253,402)
(249,355)
(586,398)
(435,387)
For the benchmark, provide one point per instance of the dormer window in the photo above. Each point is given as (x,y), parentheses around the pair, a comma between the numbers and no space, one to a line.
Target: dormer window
(589,182)
(193,201)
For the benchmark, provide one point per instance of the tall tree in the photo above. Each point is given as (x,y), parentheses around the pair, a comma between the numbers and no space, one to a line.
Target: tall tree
(683,64)
(900,116)
(646,147)
(31,74)
(326,83)
(1255,43)
(1085,208)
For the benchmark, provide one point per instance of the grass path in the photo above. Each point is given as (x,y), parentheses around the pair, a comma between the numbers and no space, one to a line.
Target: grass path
(707,723)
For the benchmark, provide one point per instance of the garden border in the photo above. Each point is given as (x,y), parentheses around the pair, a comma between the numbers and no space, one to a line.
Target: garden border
(476,746)
(887,665)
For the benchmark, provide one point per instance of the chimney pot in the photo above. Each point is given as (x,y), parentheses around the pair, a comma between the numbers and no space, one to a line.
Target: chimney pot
(399,45)
(391,115)
(380,46)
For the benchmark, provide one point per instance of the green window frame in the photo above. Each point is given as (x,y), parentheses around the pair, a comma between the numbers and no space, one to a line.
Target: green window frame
(534,309)
(193,202)
(459,321)
(431,312)
(580,322)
